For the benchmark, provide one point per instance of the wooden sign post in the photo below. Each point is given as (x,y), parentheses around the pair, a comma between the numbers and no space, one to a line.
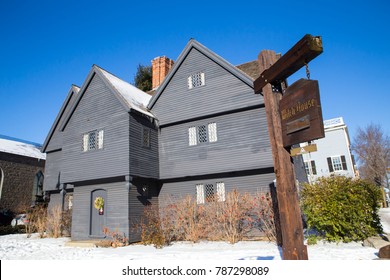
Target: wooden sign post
(274,72)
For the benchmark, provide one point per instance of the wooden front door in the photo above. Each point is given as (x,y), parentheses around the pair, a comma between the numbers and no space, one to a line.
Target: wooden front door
(98,216)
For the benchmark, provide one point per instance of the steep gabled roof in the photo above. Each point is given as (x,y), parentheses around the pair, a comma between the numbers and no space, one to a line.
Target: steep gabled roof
(73,90)
(129,96)
(193,44)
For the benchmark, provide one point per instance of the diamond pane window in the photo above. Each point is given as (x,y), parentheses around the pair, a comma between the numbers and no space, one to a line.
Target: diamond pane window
(199,194)
(93,140)
(209,193)
(212,127)
(196,80)
(192,136)
(202,134)
(146,137)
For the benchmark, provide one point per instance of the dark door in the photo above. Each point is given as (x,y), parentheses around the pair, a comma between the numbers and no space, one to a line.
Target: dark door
(98,212)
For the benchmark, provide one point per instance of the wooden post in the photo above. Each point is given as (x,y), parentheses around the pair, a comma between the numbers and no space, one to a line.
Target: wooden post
(274,71)
(289,211)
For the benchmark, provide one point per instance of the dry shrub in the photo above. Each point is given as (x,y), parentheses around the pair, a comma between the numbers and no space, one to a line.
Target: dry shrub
(263,214)
(118,239)
(37,221)
(230,220)
(54,222)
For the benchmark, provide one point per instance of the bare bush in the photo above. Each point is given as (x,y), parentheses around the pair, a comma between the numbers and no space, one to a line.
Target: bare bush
(54,222)
(230,220)
(37,221)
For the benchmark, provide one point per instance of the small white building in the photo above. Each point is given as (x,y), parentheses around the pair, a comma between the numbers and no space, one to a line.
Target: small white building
(333,155)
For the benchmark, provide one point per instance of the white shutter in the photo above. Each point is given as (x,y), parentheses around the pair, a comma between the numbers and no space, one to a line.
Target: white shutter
(192,136)
(221,191)
(189,81)
(212,127)
(199,194)
(100,139)
(203,81)
(85,142)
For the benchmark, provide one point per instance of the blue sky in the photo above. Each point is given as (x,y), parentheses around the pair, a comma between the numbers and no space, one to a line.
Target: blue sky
(46,46)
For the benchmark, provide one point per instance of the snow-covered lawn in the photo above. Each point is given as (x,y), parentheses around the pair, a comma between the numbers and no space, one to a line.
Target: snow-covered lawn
(19,247)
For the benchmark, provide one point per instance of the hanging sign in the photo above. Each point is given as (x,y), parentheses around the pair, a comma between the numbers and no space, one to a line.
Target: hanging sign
(300,113)
(303,150)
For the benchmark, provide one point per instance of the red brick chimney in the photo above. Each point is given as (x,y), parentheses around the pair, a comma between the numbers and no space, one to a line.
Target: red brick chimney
(160,68)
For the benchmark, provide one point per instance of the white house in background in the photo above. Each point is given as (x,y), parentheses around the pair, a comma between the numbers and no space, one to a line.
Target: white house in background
(333,155)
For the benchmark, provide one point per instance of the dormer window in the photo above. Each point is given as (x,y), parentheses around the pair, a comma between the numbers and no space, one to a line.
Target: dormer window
(196,80)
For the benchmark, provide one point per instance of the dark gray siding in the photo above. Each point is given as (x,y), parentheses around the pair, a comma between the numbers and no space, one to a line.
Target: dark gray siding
(98,109)
(143,160)
(116,209)
(222,92)
(243,144)
(250,184)
(56,141)
(52,170)
(123,207)
(138,202)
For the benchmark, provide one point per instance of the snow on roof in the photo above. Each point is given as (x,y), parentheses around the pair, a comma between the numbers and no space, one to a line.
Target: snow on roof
(20,148)
(134,97)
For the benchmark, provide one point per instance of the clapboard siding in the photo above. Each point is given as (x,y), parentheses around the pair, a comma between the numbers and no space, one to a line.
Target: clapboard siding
(143,160)
(244,184)
(123,208)
(243,144)
(98,109)
(222,92)
(115,209)
(52,170)
(137,204)
(56,141)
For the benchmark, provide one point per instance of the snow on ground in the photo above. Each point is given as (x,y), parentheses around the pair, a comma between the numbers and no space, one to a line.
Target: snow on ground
(19,247)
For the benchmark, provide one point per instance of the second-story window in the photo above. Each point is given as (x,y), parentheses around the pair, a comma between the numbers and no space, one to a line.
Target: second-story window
(202,134)
(93,140)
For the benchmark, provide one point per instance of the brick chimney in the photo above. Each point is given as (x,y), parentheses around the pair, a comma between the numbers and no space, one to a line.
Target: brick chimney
(160,68)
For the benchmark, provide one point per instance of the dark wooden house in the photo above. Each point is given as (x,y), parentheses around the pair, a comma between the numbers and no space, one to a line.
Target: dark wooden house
(103,144)
(213,134)
(203,133)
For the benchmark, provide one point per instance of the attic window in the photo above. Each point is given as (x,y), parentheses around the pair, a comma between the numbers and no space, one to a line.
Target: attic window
(93,140)
(196,80)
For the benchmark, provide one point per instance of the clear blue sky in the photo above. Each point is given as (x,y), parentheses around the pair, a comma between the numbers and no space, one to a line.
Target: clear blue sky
(47,46)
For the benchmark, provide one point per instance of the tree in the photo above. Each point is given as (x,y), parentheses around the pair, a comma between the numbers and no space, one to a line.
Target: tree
(372,148)
(143,78)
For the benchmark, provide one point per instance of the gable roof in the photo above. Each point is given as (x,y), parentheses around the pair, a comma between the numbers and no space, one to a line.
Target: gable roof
(129,96)
(72,91)
(193,44)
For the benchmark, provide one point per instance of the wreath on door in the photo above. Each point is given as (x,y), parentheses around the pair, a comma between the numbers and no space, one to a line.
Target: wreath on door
(99,203)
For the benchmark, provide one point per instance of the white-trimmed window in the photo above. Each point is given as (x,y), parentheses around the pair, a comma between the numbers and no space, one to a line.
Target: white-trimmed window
(337,163)
(93,140)
(310,167)
(210,192)
(202,134)
(196,80)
